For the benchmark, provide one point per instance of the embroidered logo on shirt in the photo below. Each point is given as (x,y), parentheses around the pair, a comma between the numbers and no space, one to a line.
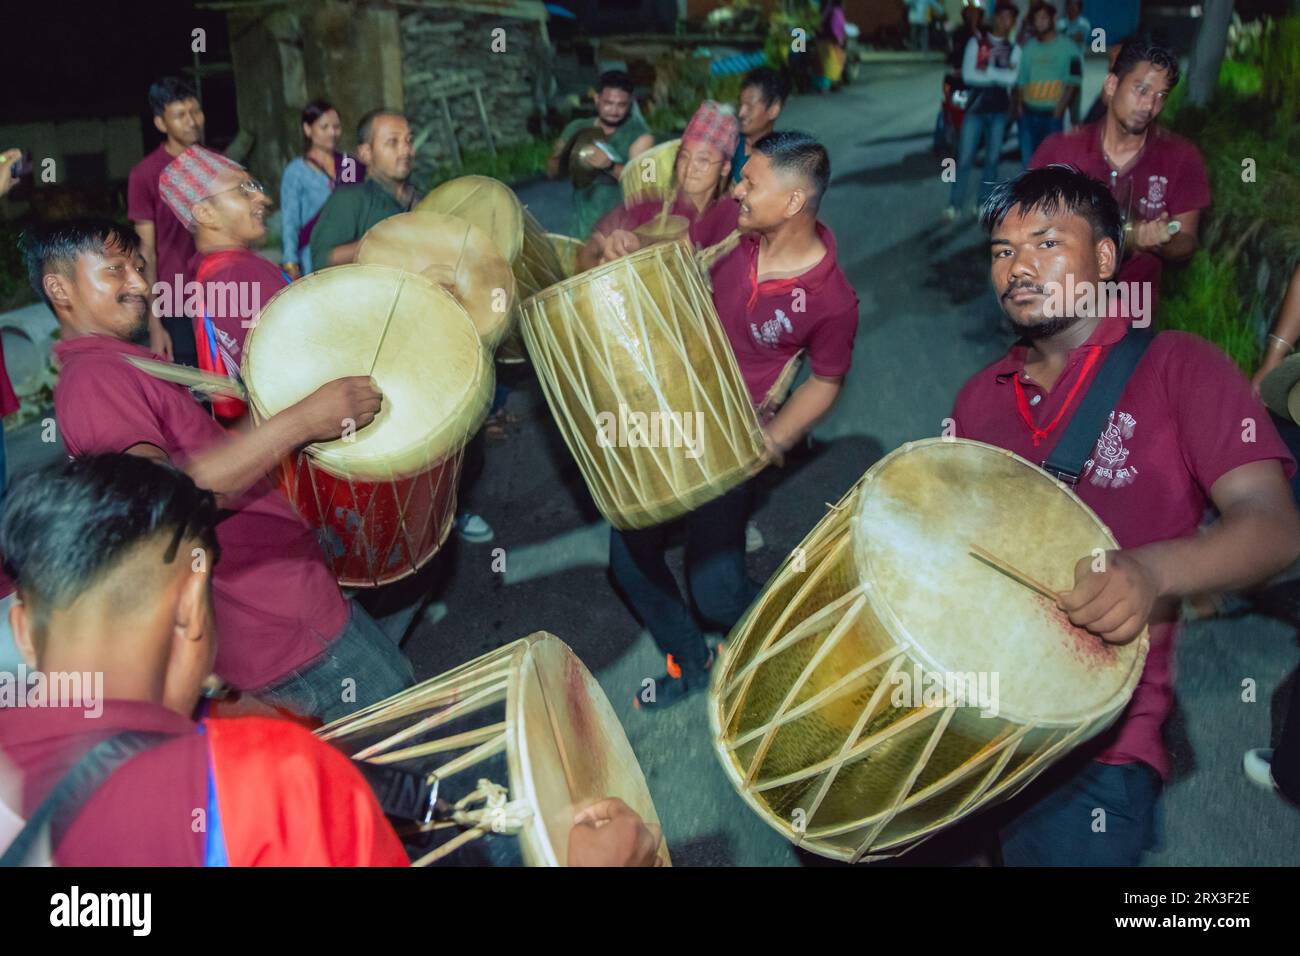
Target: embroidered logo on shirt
(1154,201)
(1108,467)
(770,334)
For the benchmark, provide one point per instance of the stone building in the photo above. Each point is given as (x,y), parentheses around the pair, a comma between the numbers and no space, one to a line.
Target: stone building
(426,58)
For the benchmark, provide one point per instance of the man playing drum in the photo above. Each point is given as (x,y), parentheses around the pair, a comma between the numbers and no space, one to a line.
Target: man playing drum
(102,548)
(290,636)
(701,183)
(1185,433)
(780,292)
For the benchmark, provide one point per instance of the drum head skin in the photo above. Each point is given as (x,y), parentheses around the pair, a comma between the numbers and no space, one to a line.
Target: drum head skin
(487,203)
(921,509)
(536,705)
(455,254)
(434,373)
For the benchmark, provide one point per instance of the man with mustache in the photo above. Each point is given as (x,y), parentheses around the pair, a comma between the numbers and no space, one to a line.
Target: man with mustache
(386,149)
(625,135)
(1157,178)
(288,634)
(225,209)
(164,243)
(1185,432)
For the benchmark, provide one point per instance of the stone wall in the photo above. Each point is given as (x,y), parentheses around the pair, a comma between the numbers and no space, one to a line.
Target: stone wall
(447,47)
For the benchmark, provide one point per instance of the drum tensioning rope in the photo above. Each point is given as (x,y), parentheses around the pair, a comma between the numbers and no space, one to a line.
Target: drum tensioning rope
(497,815)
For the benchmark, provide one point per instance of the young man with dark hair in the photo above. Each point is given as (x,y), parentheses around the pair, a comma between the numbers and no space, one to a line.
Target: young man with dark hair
(290,636)
(386,149)
(761,97)
(622,133)
(1157,177)
(1185,432)
(166,245)
(115,557)
(779,293)
(1051,73)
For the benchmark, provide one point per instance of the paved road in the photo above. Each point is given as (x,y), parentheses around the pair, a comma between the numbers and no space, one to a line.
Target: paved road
(927,323)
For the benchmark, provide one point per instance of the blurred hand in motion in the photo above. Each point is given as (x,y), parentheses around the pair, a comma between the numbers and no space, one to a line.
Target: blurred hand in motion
(329,410)
(1114,603)
(610,833)
(7,160)
(620,243)
(772,452)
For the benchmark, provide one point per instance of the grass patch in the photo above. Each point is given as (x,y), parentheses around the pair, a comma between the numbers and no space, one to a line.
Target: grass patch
(511,163)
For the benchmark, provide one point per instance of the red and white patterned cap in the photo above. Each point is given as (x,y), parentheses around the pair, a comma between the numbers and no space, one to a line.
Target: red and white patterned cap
(714,126)
(190,178)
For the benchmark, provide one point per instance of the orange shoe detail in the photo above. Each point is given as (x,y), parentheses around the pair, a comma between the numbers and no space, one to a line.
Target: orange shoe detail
(674,669)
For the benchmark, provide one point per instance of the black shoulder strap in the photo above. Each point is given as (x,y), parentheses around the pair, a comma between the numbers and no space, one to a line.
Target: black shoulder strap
(71,793)
(1089,419)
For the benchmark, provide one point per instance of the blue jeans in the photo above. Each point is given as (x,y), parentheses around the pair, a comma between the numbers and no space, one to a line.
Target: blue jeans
(1036,126)
(976,128)
(359,667)
(715,573)
(1058,823)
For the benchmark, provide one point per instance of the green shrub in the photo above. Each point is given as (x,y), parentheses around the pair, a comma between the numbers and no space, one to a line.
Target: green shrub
(1205,300)
(512,162)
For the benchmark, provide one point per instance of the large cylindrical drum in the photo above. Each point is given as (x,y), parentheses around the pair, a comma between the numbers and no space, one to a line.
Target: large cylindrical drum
(382,497)
(644,386)
(887,682)
(526,724)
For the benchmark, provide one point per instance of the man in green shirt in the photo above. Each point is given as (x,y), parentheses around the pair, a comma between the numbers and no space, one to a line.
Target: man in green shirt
(624,134)
(1051,71)
(384,146)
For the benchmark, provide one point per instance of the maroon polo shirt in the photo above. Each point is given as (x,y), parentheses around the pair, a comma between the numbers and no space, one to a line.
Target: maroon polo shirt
(173,243)
(248,282)
(277,605)
(1166,176)
(143,813)
(712,225)
(769,322)
(1181,423)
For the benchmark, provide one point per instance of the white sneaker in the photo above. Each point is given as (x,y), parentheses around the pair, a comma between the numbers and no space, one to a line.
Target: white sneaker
(1258,764)
(753,538)
(473,528)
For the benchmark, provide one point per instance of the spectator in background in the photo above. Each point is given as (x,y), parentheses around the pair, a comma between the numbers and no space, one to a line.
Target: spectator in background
(918,18)
(764,92)
(620,131)
(10,161)
(166,245)
(1051,70)
(972,24)
(308,181)
(1074,26)
(832,46)
(990,66)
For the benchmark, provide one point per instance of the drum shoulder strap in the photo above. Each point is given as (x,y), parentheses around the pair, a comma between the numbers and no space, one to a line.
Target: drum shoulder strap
(1089,420)
(75,789)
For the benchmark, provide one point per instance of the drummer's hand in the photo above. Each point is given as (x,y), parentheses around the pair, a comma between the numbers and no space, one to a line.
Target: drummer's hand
(610,833)
(1115,603)
(596,158)
(327,411)
(620,243)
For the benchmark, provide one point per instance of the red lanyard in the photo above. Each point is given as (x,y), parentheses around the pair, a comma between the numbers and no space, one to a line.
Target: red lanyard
(771,286)
(1022,403)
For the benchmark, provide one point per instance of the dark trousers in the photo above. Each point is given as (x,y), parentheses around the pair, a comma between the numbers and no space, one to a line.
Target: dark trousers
(1286,756)
(361,666)
(1083,814)
(715,575)
(1035,126)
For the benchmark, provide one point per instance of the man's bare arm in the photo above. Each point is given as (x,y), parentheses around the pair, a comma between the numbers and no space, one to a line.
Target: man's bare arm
(802,411)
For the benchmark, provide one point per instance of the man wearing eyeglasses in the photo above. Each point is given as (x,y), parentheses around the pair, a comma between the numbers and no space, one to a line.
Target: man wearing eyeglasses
(225,209)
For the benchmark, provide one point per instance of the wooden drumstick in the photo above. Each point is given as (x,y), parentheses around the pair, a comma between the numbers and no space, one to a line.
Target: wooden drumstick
(388,320)
(1015,574)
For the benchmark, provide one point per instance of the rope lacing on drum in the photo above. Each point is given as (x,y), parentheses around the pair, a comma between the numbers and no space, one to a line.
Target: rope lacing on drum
(497,815)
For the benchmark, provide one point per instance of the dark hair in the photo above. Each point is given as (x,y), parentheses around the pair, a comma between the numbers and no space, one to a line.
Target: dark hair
(774,85)
(168,90)
(1052,189)
(792,151)
(55,246)
(1040,5)
(1143,50)
(364,127)
(66,525)
(618,79)
(312,112)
